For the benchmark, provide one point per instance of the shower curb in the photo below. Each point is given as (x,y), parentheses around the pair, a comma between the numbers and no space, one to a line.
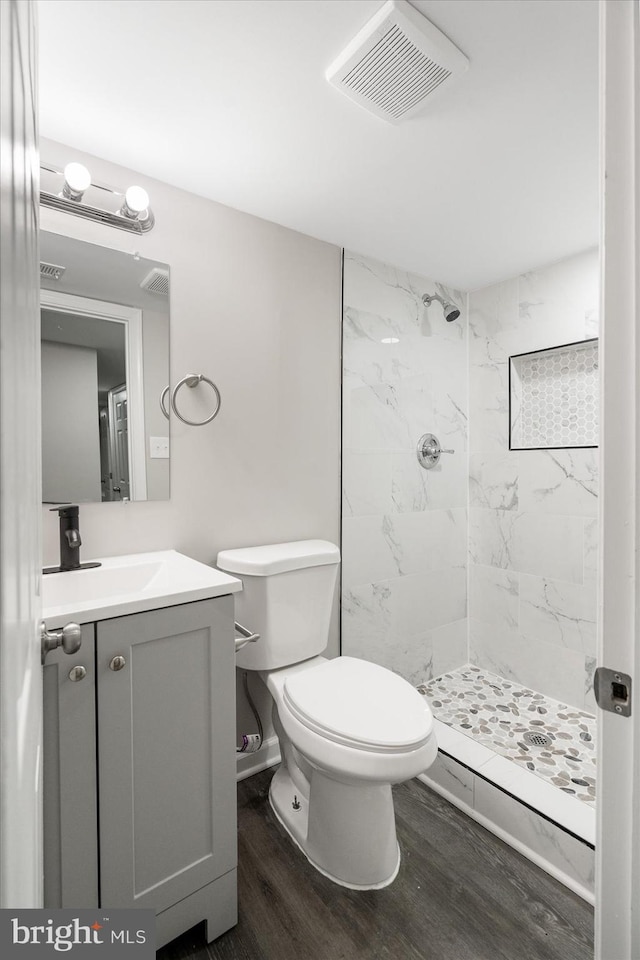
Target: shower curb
(559,852)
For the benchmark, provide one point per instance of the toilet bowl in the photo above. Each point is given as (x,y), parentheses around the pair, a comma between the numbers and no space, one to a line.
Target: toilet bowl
(348,728)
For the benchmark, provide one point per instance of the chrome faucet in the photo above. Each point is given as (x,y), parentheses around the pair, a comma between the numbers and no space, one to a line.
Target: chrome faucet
(70,540)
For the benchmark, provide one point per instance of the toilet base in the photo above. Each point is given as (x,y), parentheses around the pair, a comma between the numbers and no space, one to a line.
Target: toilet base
(346,831)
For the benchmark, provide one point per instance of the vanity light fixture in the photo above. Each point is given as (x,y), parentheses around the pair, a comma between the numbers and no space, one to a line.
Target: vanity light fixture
(77,179)
(136,203)
(65,190)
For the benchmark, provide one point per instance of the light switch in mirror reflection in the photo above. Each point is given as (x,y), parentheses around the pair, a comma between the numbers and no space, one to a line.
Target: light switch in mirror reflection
(105,363)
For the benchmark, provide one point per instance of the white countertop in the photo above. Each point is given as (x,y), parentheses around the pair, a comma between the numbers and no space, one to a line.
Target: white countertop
(130,584)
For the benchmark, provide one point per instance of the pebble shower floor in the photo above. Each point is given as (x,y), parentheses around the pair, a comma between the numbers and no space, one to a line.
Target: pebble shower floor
(499,713)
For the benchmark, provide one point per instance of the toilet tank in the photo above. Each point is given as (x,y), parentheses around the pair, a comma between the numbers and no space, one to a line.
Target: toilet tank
(287,595)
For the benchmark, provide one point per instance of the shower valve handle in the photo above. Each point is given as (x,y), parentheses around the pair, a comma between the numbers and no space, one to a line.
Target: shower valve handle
(429,451)
(432,450)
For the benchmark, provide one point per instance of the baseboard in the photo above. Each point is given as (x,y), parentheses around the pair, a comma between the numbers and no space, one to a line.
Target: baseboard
(249,764)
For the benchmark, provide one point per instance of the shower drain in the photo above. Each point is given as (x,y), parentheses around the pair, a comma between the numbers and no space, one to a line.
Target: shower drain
(536,739)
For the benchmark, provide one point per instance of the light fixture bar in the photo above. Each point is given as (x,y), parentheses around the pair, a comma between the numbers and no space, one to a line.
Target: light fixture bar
(97,214)
(122,218)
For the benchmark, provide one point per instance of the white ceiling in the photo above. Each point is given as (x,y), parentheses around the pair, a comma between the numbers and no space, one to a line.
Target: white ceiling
(227,99)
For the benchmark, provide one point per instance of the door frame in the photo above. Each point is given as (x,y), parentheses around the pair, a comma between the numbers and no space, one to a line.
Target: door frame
(131,317)
(617,933)
(20,471)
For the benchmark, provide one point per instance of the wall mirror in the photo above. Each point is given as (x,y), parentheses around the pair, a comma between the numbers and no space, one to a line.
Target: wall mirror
(105,363)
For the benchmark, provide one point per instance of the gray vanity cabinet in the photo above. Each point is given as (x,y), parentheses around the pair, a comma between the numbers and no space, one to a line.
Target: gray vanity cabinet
(166,759)
(165,697)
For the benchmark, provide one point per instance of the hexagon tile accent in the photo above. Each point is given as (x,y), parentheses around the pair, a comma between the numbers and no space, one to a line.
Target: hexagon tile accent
(555,397)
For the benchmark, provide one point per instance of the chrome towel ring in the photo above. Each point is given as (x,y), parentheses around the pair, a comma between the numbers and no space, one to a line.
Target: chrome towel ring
(191,380)
(162,399)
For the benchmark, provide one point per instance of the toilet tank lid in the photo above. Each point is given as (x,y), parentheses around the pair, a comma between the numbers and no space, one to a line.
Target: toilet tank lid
(278,557)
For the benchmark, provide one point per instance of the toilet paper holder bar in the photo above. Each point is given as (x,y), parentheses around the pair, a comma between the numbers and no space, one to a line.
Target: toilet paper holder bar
(246,636)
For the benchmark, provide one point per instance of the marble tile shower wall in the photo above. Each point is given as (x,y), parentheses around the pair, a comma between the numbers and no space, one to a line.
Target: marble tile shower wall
(532,513)
(404,542)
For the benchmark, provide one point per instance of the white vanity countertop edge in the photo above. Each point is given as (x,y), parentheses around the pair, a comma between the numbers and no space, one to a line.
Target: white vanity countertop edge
(181,580)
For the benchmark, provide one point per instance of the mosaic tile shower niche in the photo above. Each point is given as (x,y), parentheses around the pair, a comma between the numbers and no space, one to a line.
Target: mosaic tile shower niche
(554,398)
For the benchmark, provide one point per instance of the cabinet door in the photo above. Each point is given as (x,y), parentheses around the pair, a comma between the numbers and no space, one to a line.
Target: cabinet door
(166,753)
(69,778)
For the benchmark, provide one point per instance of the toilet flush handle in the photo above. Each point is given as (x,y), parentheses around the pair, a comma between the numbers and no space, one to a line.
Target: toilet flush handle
(246,636)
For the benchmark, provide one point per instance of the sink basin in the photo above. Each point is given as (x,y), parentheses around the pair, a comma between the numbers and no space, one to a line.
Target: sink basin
(130,584)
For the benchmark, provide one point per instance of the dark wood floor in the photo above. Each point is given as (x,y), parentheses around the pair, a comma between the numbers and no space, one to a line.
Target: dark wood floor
(461,894)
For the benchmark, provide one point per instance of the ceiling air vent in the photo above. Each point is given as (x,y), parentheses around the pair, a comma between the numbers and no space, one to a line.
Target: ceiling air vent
(157,281)
(51,271)
(396,62)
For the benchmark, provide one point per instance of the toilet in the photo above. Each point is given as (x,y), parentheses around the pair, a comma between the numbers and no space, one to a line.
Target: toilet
(348,729)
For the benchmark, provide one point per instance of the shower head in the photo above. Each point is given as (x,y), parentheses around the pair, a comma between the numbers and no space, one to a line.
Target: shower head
(450,311)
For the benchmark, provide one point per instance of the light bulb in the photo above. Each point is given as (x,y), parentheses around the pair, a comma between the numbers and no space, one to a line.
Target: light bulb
(77,179)
(136,201)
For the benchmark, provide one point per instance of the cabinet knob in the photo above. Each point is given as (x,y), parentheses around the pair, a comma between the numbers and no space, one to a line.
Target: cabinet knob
(77,673)
(117,663)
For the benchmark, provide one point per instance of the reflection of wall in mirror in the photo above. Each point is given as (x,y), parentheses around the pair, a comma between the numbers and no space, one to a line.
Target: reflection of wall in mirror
(155,337)
(70,442)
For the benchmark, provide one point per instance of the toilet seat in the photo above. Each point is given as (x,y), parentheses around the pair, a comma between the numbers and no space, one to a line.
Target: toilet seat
(360,705)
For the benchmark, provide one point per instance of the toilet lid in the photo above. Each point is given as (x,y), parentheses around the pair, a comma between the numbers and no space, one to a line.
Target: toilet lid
(359,704)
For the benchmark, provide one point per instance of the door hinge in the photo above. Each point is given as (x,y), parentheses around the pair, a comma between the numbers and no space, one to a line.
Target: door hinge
(613,691)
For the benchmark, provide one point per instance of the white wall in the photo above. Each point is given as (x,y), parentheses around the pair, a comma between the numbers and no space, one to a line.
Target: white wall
(404,599)
(256,307)
(532,513)
(70,441)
